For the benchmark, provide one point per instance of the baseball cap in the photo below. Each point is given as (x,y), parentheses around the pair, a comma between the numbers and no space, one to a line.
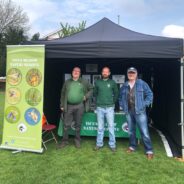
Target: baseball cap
(132,69)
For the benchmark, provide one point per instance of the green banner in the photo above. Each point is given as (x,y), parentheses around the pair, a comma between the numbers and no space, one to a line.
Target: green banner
(22,128)
(89,126)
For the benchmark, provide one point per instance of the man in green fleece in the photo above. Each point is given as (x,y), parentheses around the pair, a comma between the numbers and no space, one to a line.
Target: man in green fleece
(106,92)
(74,101)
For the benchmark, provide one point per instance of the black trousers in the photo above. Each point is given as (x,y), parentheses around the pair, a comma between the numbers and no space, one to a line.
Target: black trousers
(73,119)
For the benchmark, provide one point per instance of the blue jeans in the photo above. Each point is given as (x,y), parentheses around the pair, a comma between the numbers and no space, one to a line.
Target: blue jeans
(141,121)
(108,113)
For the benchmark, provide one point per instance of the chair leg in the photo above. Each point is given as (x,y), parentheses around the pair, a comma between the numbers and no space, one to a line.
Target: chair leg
(44,145)
(54,137)
(44,135)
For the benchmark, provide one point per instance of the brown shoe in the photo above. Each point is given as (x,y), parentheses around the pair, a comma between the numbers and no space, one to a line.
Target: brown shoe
(62,145)
(149,156)
(77,144)
(130,150)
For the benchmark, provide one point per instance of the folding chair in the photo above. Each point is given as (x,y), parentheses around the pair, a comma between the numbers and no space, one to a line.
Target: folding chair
(47,132)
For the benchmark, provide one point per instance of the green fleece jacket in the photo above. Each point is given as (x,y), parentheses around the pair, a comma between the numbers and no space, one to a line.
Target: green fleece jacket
(106,93)
(88,90)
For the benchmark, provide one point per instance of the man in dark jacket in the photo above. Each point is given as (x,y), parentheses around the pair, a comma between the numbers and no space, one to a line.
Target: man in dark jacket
(74,101)
(135,96)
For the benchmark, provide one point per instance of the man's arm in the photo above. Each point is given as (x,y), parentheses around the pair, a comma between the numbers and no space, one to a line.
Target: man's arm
(116,92)
(148,94)
(62,99)
(95,91)
(120,97)
(89,90)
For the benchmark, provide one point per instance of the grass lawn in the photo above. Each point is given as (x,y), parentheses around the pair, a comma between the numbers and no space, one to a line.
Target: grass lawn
(78,166)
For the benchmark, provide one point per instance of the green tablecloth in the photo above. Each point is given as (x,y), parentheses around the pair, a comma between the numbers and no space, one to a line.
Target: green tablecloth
(89,126)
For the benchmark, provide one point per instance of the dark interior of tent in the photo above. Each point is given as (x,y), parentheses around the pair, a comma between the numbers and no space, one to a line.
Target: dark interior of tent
(162,75)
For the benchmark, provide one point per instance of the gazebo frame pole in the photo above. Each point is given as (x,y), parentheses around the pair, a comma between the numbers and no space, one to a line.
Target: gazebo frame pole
(182,105)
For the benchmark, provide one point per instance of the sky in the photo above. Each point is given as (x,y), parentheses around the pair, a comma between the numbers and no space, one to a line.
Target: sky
(153,17)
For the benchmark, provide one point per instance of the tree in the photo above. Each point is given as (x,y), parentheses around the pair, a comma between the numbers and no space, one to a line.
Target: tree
(67,30)
(12,36)
(15,36)
(11,15)
(13,28)
(35,37)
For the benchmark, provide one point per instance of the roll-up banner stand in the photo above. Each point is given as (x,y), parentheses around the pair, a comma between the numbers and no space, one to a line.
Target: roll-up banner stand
(22,129)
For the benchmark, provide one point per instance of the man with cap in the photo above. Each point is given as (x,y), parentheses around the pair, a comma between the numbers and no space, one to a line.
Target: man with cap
(135,96)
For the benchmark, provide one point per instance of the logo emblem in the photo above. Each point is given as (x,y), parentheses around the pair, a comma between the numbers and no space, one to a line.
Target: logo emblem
(22,128)
(125,127)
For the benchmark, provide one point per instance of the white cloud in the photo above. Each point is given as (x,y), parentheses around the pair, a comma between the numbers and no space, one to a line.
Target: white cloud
(45,15)
(133,7)
(38,9)
(42,14)
(174,31)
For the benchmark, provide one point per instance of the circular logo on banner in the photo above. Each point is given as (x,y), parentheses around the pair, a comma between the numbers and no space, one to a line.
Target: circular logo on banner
(33,77)
(32,116)
(13,96)
(125,127)
(14,76)
(33,96)
(22,128)
(12,114)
